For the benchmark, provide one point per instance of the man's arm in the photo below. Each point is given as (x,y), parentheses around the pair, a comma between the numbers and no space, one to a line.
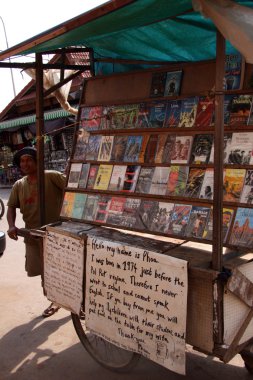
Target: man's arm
(11,219)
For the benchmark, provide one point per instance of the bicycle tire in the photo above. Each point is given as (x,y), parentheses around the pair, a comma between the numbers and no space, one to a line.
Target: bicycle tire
(2,208)
(103,352)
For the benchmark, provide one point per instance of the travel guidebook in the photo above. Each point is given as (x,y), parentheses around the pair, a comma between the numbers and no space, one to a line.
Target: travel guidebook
(145,180)
(81,144)
(162,217)
(133,148)
(205,111)
(74,174)
(177,180)
(240,108)
(117,178)
(157,114)
(173,112)
(103,177)
(105,148)
(173,83)
(78,206)
(188,112)
(181,150)
(247,191)
(233,184)
(197,221)
(242,229)
(194,182)
(179,219)
(201,149)
(90,117)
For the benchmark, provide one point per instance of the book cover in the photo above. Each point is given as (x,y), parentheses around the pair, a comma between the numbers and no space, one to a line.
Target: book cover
(181,150)
(157,114)
(144,180)
(240,149)
(162,138)
(173,112)
(133,148)
(242,229)
(84,176)
(227,107)
(188,112)
(119,148)
(132,112)
(67,205)
(147,211)
(173,83)
(177,180)
(201,149)
(90,208)
(247,191)
(234,71)
(78,206)
(92,176)
(103,177)
(151,149)
(74,174)
(90,117)
(118,117)
(162,217)
(145,140)
(197,221)
(233,184)
(105,148)
(168,149)
(158,81)
(227,217)
(143,116)
(194,182)
(240,110)
(93,147)
(131,176)
(82,142)
(211,157)
(105,117)
(115,210)
(159,180)
(205,111)
(227,146)
(130,213)
(117,178)
(206,191)
(179,219)
(102,210)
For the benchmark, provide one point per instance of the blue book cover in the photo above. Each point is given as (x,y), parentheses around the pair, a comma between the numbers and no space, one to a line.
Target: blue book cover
(173,83)
(133,148)
(78,206)
(242,230)
(234,71)
(173,111)
(93,147)
(157,114)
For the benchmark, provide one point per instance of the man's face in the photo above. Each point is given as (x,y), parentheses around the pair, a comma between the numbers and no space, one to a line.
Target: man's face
(27,165)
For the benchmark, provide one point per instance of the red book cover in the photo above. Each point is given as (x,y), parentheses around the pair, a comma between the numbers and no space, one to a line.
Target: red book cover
(205,111)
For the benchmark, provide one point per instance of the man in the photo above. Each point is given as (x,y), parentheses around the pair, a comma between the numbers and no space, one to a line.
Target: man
(24,195)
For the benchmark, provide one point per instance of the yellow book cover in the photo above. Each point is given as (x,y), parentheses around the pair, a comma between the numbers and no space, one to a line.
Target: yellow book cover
(103,177)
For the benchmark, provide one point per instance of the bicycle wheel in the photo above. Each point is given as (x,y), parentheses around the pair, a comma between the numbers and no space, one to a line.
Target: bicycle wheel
(105,353)
(2,208)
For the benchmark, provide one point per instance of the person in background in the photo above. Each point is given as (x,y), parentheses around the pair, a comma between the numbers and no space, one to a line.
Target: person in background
(24,196)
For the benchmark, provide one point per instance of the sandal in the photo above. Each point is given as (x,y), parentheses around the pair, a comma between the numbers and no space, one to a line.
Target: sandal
(52,309)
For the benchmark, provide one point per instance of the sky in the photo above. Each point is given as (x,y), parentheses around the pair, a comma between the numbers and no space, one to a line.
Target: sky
(20,20)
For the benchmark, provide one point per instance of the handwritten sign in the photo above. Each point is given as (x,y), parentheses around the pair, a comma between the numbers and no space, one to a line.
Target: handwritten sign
(63,270)
(137,299)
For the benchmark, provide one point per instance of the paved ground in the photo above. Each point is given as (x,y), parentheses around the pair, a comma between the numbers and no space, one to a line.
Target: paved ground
(33,348)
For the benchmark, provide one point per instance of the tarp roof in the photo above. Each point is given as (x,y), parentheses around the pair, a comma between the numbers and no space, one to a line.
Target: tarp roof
(153,30)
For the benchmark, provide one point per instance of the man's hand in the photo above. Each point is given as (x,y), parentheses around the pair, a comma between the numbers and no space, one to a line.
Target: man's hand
(13,233)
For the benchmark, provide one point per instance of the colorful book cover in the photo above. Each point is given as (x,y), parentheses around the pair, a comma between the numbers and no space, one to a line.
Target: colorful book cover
(132,112)
(117,178)
(67,205)
(78,206)
(131,176)
(105,119)
(93,147)
(84,176)
(151,149)
(177,180)
(173,112)
(117,117)
(179,219)
(103,177)
(247,191)
(173,83)
(241,148)
(143,116)
(115,210)
(119,148)
(82,142)
(105,148)
(90,208)
(181,150)
(147,211)
(103,205)
(90,117)
(197,221)
(188,112)
(159,180)
(240,110)
(233,184)
(130,213)
(201,149)
(168,149)
(206,191)
(194,182)
(145,140)
(227,217)
(227,146)
(92,176)
(133,148)
(205,111)
(162,217)
(74,174)
(242,229)
(234,71)
(158,81)
(162,138)
(157,114)
(145,180)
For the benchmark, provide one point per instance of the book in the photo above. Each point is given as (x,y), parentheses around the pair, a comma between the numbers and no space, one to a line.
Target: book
(90,117)
(103,177)
(240,110)
(227,146)
(117,178)
(162,138)
(102,209)
(159,180)
(151,149)
(194,182)
(205,112)
(206,191)
(133,148)
(158,81)
(83,176)
(143,116)
(118,148)
(242,229)
(93,147)
(157,114)
(144,180)
(145,140)
(92,176)
(105,117)
(81,144)
(247,191)
(234,71)
(188,112)
(173,112)
(78,205)
(227,217)
(173,83)
(74,174)
(162,217)
(179,219)
(90,208)
(129,216)
(131,176)
(227,107)
(115,210)
(168,149)
(181,150)
(67,205)
(201,149)
(131,118)
(233,184)
(105,148)
(117,117)
(197,221)
(240,149)
(177,180)
(147,211)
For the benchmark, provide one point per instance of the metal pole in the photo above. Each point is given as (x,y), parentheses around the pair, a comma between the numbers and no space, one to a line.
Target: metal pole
(7,45)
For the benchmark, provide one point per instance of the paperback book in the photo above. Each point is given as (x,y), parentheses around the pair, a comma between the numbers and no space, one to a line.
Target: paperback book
(133,148)
(157,114)
(145,140)
(240,110)
(162,139)
(179,219)
(145,180)
(247,191)
(158,81)
(188,112)
(233,184)
(206,191)
(82,142)
(194,182)
(93,147)
(147,211)
(168,149)
(143,116)
(105,148)
(78,206)
(227,217)
(177,180)
(92,176)
(173,112)
(74,174)
(103,177)
(181,150)
(234,71)
(240,150)
(118,117)
(197,221)
(67,205)
(115,210)
(205,111)
(91,206)
(201,149)
(173,83)
(131,176)
(227,146)
(130,213)
(103,205)
(162,217)
(119,148)
(90,117)
(117,178)
(242,229)
(84,176)
(131,119)
(159,180)
(151,149)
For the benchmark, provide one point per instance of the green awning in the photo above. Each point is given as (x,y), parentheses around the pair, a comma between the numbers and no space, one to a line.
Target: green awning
(31,119)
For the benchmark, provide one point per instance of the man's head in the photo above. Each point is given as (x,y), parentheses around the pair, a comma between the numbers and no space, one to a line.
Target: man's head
(26,160)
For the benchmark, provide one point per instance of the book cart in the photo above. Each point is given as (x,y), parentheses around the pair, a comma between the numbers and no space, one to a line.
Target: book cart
(218,261)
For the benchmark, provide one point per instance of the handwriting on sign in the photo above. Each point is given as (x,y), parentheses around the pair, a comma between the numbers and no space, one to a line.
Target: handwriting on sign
(137,298)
